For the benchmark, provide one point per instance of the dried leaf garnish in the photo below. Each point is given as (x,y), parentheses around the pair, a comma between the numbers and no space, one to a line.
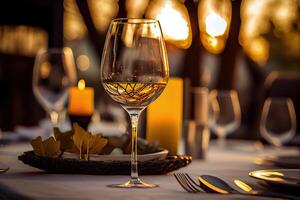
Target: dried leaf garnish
(97,142)
(115,142)
(47,148)
(37,145)
(65,139)
(87,143)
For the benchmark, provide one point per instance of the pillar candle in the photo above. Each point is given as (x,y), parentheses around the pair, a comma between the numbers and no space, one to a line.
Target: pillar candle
(81,100)
(164,117)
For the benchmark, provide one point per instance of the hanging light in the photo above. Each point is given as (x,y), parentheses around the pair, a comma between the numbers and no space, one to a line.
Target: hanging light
(214,18)
(174,19)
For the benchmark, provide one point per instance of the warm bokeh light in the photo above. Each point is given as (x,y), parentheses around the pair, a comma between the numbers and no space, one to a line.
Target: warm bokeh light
(174,19)
(74,27)
(22,40)
(258,50)
(215,25)
(136,8)
(83,62)
(174,25)
(102,12)
(45,70)
(214,18)
(81,84)
(258,26)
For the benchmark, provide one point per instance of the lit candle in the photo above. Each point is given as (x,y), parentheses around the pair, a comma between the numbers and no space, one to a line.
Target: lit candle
(164,117)
(81,100)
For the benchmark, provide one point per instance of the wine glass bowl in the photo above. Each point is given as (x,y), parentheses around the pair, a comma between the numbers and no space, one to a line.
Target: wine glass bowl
(53,74)
(225,114)
(134,72)
(278,121)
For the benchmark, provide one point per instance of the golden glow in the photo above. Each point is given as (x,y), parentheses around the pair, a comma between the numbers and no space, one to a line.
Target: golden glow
(213,44)
(69,63)
(214,18)
(174,20)
(22,40)
(81,84)
(74,27)
(243,185)
(282,15)
(127,34)
(164,124)
(102,12)
(45,70)
(83,62)
(214,188)
(258,50)
(174,25)
(136,8)
(215,25)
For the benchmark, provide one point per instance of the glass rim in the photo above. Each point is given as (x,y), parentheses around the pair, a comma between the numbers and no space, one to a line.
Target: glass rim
(134,21)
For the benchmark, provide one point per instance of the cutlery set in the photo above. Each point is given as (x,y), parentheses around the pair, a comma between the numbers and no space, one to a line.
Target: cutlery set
(213,184)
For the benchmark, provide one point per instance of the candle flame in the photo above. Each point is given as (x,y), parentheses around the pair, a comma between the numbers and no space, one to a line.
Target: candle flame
(215,25)
(81,84)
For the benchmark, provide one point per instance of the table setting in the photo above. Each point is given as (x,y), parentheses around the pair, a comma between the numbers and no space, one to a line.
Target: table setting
(154,134)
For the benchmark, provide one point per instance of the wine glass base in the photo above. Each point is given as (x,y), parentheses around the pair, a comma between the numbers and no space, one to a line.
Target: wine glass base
(137,183)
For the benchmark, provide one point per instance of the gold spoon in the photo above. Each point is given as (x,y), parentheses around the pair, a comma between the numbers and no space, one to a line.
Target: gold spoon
(247,188)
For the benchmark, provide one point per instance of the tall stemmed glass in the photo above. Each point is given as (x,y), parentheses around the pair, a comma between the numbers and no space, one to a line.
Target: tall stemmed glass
(134,72)
(53,74)
(225,113)
(278,121)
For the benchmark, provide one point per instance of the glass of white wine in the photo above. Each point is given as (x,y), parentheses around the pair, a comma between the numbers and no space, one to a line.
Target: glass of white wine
(53,74)
(134,72)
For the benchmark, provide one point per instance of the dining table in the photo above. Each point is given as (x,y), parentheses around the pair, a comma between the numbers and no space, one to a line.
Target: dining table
(233,161)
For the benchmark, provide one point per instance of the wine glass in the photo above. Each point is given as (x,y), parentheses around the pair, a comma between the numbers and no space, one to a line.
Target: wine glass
(134,72)
(53,74)
(278,121)
(225,114)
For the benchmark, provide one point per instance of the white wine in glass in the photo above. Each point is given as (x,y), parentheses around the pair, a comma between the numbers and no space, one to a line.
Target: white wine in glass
(134,72)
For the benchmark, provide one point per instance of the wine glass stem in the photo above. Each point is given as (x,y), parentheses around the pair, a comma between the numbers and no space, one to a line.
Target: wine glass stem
(54,118)
(134,134)
(222,139)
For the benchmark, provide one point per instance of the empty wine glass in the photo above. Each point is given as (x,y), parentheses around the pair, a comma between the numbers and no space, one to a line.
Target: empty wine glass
(225,116)
(53,74)
(278,121)
(134,72)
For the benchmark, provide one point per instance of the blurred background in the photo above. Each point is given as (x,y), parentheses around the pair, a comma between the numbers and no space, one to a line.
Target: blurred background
(255,50)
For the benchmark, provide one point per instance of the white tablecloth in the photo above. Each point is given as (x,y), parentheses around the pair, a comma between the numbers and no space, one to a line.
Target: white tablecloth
(228,164)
